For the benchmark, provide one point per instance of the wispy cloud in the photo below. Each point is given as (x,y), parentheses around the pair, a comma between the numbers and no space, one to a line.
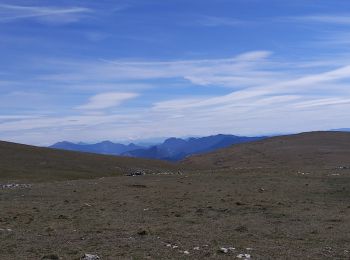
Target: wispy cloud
(250,68)
(328,30)
(57,15)
(281,91)
(107,100)
(324,102)
(330,19)
(260,93)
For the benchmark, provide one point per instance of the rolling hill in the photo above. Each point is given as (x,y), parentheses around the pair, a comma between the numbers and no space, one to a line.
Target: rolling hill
(312,149)
(24,162)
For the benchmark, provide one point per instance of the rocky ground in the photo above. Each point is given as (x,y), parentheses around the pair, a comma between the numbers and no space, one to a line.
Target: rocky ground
(270,213)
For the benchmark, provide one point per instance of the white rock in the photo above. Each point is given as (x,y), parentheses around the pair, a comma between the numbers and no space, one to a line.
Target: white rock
(6,229)
(14,185)
(196,248)
(186,252)
(224,250)
(244,256)
(90,257)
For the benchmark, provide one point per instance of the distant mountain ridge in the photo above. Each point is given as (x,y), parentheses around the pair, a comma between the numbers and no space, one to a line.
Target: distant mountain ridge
(341,130)
(105,147)
(175,149)
(172,149)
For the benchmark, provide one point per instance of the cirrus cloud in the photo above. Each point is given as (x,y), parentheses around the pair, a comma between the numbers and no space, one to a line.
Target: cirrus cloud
(107,100)
(49,14)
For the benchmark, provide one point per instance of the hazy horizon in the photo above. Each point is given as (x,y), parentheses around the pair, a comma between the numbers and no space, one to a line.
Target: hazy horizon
(130,70)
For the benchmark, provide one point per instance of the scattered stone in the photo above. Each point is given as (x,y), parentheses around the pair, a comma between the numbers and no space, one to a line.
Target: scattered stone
(261,190)
(6,229)
(226,250)
(303,173)
(244,256)
(90,257)
(172,246)
(168,173)
(342,168)
(136,173)
(14,186)
(328,249)
(196,248)
(223,250)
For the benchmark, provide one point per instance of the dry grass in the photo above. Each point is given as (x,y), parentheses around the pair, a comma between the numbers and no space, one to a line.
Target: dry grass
(28,163)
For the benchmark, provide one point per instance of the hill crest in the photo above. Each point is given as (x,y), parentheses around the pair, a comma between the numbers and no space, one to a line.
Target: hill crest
(326,149)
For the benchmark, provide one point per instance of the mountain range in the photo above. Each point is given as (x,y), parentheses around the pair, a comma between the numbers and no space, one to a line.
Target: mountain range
(172,149)
(105,147)
(175,149)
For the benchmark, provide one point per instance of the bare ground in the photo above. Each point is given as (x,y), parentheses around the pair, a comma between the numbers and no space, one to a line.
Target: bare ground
(271,213)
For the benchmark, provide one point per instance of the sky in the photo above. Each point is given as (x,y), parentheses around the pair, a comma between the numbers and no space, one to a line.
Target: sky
(136,69)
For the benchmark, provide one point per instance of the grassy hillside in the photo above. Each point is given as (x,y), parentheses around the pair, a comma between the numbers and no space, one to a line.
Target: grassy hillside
(313,149)
(23,162)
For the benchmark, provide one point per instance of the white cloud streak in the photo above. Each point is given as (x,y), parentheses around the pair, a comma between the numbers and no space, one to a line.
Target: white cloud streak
(329,19)
(264,95)
(243,70)
(107,100)
(56,15)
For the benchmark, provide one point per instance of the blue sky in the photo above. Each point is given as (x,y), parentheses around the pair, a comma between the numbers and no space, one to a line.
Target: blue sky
(136,69)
